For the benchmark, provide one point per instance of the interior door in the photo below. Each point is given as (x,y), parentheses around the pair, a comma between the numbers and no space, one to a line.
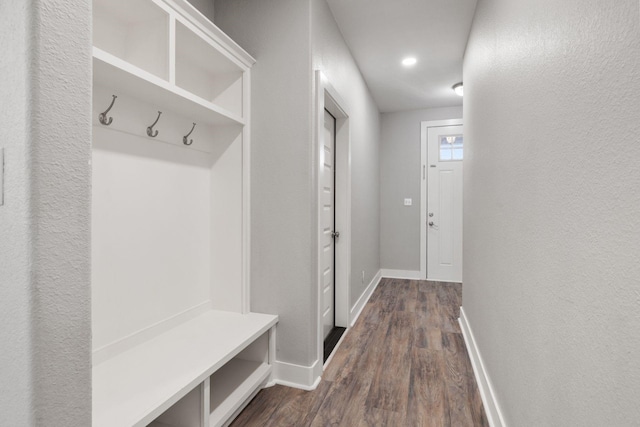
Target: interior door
(328,224)
(445,152)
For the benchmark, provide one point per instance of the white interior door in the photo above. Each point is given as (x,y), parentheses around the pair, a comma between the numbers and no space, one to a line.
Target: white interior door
(328,224)
(444,203)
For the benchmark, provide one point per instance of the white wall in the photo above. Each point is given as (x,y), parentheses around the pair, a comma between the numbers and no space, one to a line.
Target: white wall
(399,179)
(289,39)
(551,198)
(331,55)
(150,234)
(45,357)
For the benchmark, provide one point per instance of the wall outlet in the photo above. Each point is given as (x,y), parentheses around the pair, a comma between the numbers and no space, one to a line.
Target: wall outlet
(363,277)
(408,202)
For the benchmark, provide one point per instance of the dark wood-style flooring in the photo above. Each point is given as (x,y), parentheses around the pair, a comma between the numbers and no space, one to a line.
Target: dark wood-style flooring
(404,363)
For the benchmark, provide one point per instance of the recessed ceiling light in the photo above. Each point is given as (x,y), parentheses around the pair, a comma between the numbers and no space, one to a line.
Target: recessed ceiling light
(408,62)
(458,89)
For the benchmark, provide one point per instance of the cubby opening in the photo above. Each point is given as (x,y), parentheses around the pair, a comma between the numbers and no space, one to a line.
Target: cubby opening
(207,72)
(238,381)
(186,412)
(134,31)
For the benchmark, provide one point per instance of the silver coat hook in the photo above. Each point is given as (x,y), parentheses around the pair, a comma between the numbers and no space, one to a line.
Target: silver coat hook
(150,131)
(103,116)
(185,139)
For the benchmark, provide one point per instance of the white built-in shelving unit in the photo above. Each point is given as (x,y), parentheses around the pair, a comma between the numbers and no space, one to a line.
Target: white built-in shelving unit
(174,341)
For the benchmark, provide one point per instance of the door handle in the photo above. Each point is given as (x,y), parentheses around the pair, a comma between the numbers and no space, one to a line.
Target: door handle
(430,223)
(335,234)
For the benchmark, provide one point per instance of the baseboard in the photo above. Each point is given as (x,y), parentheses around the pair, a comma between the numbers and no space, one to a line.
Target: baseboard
(296,376)
(108,351)
(491,407)
(401,274)
(362,301)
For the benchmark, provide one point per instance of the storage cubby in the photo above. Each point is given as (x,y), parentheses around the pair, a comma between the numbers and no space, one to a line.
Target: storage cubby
(187,412)
(173,333)
(237,381)
(207,72)
(134,31)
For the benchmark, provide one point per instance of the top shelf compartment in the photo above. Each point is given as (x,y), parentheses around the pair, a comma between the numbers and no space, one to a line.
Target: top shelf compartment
(206,71)
(135,31)
(144,44)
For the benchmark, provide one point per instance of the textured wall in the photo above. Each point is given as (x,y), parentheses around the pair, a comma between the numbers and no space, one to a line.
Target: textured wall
(44,249)
(276,33)
(331,55)
(399,179)
(551,198)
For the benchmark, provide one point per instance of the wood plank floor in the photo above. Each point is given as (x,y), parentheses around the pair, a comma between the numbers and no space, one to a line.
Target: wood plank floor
(404,363)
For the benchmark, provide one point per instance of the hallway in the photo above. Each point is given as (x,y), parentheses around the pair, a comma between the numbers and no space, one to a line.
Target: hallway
(404,363)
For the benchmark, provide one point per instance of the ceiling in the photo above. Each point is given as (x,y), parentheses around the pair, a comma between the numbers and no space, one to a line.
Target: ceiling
(380,33)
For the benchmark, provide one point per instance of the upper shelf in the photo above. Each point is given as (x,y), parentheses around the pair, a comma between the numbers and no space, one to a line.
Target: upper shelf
(115,73)
(135,387)
(166,52)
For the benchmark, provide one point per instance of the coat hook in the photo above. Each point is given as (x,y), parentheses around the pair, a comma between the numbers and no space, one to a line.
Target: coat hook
(150,128)
(103,116)
(186,137)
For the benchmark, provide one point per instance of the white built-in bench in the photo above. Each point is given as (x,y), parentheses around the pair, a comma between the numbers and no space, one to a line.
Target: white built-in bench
(200,373)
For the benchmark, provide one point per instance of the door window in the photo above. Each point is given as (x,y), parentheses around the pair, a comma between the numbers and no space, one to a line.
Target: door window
(451,148)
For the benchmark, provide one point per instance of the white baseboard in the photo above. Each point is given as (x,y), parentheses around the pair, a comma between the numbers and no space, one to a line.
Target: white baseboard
(362,301)
(296,376)
(491,407)
(401,274)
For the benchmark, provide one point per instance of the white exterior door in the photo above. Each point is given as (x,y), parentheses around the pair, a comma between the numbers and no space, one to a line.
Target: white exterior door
(328,224)
(444,203)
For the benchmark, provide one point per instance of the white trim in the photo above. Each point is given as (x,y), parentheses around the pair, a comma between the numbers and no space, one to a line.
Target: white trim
(402,274)
(296,376)
(246,194)
(491,406)
(327,97)
(364,298)
(424,132)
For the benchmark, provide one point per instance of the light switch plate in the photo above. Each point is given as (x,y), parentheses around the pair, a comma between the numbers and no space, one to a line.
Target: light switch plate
(408,202)
(1,176)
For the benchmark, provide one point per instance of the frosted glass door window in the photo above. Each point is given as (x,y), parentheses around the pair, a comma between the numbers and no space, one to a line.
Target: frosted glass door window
(451,148)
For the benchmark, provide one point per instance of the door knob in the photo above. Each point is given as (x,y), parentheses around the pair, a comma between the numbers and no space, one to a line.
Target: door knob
(335,234)
(430,223)
(430,214)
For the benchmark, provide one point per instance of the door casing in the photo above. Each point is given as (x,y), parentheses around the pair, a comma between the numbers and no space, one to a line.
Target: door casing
(328,98)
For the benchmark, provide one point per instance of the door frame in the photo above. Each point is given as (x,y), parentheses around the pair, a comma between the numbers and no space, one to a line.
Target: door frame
(327,97)
(424,140)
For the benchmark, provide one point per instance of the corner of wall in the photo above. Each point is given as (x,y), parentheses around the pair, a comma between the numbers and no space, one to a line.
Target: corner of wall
(60,174)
